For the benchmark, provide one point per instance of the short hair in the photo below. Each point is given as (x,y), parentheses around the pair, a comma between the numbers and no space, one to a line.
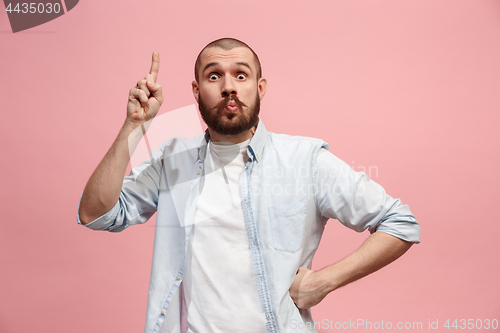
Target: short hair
(227,44)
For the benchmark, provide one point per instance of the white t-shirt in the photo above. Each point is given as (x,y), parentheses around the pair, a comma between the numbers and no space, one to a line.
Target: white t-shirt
(219,281)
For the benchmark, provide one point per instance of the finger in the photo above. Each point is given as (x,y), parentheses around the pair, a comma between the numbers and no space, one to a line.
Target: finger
(156,91)
(142,85)
(138,95)
(155,66)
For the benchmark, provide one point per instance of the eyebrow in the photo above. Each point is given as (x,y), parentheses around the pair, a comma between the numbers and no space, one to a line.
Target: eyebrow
(215,64)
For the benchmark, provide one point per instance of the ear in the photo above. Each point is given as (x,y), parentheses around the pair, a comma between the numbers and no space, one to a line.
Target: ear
(262,87)
(196,90)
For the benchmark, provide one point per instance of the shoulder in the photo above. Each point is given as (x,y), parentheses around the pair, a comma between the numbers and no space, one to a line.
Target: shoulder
(179,144)
(295,141)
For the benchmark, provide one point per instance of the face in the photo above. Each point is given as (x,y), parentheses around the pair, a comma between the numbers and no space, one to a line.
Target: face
(228,92)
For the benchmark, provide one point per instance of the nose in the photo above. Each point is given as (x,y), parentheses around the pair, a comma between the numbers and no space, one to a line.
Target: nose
(228,87)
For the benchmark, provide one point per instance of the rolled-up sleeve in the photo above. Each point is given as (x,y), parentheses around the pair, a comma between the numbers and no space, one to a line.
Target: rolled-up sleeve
(138,198)
(358,202)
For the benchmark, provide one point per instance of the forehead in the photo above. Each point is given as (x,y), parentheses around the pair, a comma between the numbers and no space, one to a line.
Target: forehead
(227,57)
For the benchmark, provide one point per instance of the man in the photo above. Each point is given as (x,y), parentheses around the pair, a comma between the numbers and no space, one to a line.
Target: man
(240,210)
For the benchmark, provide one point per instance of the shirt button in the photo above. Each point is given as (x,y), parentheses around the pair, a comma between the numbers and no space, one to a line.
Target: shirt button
(178,278)
(198,172)
(162,312)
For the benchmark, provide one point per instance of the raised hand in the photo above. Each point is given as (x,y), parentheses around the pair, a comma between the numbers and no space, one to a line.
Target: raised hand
(146,97)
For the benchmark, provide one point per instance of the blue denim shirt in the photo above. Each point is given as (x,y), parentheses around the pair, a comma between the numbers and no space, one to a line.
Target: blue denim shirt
(287,194)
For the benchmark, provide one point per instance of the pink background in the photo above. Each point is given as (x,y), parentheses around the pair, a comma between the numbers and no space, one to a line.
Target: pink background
(410,88)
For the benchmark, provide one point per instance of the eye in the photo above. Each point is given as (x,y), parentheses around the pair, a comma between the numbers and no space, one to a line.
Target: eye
(241,76)
(213,77)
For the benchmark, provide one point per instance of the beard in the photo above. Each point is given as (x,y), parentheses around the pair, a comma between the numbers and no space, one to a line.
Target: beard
(225,123)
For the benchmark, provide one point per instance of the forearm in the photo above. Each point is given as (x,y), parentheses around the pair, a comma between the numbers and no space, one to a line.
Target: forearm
(104,186)
(379,250)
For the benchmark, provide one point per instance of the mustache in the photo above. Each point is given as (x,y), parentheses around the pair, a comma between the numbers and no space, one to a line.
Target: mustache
(222,104)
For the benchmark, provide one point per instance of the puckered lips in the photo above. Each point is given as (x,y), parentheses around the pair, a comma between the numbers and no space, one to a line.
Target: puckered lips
(232,106)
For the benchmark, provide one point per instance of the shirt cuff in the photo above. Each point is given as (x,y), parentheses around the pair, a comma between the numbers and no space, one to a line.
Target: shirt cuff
(104,221)
(408,230)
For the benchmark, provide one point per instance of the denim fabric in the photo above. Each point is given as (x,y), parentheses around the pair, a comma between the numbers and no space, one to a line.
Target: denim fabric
(288,193)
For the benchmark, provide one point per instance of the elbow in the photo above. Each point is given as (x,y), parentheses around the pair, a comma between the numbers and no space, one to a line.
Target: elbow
(83,216)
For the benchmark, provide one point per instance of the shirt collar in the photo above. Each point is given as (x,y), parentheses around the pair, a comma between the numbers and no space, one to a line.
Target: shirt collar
(258,141)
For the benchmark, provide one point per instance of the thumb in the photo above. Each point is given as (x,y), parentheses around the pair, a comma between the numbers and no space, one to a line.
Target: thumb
(301,269)
(155,90)
(152,85)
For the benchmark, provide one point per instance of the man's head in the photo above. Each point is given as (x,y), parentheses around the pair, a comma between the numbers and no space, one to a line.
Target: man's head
(226,44)
(228,86)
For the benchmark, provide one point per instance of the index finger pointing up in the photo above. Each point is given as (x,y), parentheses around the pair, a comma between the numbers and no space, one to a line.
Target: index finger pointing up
(155,66)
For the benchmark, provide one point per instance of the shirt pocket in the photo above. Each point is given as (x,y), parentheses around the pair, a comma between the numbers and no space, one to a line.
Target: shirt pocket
(287,225)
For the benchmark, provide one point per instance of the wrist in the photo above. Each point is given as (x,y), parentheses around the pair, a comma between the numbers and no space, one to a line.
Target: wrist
(328,279)
(131,133)
(129,126)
